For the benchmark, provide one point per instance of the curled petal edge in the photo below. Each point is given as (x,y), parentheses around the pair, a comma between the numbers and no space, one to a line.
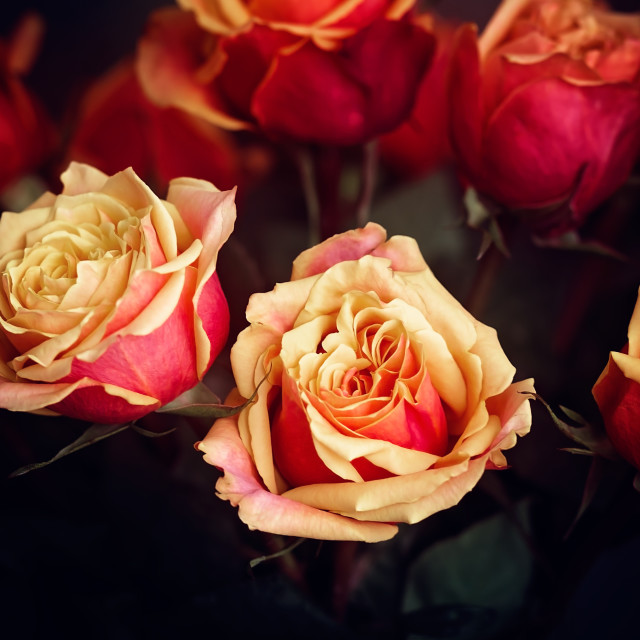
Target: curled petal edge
(260,509)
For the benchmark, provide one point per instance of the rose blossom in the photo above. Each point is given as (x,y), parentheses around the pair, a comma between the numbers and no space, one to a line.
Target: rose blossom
(110,303)
(617,392)
(282,74)
(382,399)
(546,108)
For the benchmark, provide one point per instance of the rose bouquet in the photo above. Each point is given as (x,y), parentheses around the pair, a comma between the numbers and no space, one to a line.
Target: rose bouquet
(240,257)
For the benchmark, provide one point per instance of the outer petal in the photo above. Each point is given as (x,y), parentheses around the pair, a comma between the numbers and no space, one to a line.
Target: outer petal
(617,392)
(260,509)
(347,97)
(588,152)
(168,63)
(350,245)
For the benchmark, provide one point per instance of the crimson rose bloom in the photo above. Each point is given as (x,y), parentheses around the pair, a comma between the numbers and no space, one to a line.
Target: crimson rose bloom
(617,392)
(546,108)
(297,82)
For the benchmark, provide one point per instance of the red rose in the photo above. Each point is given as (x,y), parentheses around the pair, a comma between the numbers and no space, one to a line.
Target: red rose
(546,108)
(292,86)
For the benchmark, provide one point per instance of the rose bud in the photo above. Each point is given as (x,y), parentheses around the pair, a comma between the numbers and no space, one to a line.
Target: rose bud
(110,304)
(380,399)
(617,392)
(286,77)
(545,117)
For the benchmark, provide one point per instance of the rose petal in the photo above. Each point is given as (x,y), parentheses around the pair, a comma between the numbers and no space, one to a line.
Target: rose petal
(266,511)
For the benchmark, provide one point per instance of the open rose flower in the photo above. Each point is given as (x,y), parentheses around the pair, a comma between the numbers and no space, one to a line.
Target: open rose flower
(617,392)
(285,81)
(546,108)
(110,303)
(382,399)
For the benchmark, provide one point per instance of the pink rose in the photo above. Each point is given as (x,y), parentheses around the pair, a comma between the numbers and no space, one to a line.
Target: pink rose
(110,304)
(545,113)
(617,392)
(383,400)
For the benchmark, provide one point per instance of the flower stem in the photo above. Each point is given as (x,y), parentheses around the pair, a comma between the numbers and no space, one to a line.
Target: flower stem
(304,161)
(369,175)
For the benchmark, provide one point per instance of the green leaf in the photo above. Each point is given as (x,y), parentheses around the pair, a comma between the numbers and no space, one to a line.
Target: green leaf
(147,433)
(571,241)
(91,435)
(201,402)
(473,585)
(587,435)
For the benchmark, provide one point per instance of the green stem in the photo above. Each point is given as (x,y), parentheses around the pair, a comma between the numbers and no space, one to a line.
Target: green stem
(304,161)
(369,175)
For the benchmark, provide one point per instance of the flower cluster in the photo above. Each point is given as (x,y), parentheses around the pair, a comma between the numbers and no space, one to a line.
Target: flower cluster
(364,393)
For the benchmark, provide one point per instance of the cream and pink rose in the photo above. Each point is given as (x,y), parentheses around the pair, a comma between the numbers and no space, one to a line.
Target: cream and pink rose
(383,399)
(110,304)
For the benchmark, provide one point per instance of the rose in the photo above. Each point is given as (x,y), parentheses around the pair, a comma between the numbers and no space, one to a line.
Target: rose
(117,126)
(617,393)
(110,303)
(323,20)
(380,399)
(545,113)
(421,143)
(26,133)
(290,85)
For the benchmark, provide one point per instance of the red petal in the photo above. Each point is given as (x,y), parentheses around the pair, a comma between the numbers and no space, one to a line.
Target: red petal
(347,96)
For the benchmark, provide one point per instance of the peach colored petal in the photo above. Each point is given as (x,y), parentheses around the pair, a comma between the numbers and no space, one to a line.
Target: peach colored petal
(404,253)
(81,178)
(361,497)
(445,496)
(350,245)
(260,509)
(14,228)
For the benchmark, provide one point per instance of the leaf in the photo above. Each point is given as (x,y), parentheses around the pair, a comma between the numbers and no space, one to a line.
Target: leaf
(587,435)
(472,585)
(571,241)
(91,435)
(201,402)
(147,433)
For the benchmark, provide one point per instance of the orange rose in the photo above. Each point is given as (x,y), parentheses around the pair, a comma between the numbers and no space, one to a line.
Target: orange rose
(617,392)
(110,303)
(323,20)
(545,108)
(384,400)
(331,73)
